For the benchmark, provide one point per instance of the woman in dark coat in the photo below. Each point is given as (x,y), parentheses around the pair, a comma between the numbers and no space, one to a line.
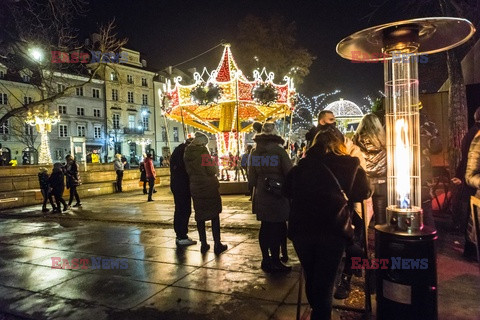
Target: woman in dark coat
(143,174)
(204,186)
(73,180)
(319,245)
(269,160)
(56,182)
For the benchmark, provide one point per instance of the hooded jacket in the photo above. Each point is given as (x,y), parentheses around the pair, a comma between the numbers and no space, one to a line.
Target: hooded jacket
(204,184)
(268,160)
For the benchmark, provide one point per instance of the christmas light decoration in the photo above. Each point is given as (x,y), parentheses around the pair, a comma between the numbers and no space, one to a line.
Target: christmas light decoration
(43,123)
(231,109)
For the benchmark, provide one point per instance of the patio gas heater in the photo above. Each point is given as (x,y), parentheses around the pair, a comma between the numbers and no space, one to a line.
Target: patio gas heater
(408,288)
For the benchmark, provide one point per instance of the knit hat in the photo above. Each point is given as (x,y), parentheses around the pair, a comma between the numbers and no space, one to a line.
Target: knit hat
(257,126)
(200,139)
(269,129)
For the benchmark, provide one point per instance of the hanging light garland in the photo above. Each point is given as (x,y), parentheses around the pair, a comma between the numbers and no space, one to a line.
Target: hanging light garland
(265,93)
(205,94)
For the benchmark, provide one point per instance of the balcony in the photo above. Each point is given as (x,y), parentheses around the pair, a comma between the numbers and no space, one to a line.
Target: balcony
(138,130)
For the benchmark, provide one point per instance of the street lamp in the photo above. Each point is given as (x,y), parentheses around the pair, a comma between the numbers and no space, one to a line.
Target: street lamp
(43,122)
(36,54)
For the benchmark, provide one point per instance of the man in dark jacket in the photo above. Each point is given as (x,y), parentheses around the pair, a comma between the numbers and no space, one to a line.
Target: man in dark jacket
(73,180)
(180,186)
(325,118)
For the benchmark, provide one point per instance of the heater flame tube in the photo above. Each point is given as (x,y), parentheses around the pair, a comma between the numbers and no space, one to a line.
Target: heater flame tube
(402,117)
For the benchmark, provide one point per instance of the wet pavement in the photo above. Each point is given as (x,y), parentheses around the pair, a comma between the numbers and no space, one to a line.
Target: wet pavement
(144,275)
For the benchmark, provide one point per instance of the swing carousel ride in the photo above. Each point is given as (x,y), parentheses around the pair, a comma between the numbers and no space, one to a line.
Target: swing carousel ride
(227,103)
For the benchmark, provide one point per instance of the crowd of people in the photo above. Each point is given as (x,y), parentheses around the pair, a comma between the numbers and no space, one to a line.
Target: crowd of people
(292,197)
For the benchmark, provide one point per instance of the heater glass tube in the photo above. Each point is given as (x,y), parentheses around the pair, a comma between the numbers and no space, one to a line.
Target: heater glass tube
(403,132)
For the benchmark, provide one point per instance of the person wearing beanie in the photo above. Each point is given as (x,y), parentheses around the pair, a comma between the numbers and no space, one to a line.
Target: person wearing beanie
(180,187)
(204,186)
(270,162)
(118,166)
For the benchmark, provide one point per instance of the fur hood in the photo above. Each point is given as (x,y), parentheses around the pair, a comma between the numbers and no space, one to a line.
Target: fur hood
(268,138)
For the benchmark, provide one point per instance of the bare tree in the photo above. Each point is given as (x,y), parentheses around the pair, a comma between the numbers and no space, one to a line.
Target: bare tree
(32,28)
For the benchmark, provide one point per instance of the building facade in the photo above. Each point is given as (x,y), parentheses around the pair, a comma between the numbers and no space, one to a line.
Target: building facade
(129,107)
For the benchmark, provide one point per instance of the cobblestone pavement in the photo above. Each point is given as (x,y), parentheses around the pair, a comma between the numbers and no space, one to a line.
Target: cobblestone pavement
(162,281)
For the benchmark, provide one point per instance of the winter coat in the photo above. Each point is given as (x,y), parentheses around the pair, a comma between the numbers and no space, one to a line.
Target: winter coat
(118,165)
(268,160)
(149,168)
(56,181)
(143,174)
(204,184)
(71,172)
(375,157)
(179,182)
(472,174)
(312,215)
(43,180)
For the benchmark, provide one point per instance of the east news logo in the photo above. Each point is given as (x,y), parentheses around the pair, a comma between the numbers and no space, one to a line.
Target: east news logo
(84,263)
(394,263)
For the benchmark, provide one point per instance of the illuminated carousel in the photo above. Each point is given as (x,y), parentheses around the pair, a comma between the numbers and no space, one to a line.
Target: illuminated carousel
(226,104)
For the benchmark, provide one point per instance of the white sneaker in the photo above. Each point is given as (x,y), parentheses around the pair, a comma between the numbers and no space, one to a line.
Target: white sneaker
(185,242)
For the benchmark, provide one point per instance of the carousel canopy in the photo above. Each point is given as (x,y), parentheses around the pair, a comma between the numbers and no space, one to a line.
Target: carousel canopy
(235,104)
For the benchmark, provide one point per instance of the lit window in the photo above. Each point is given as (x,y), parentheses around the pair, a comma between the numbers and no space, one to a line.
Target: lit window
(116,121)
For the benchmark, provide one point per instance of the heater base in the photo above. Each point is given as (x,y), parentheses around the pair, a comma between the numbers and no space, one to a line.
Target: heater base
(406,220)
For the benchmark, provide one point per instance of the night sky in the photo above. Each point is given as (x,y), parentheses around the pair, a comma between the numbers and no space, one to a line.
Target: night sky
(170,32)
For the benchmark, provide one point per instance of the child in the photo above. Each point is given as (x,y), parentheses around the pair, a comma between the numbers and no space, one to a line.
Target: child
(45,188)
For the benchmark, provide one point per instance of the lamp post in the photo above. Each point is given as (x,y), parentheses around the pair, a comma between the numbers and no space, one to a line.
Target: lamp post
(43,122)
(405,291)
(143,142)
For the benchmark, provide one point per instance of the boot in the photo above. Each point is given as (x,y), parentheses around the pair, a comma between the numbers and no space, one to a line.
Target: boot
(343,289)
(44,209)
(204,247)
(219,248)
(278,266)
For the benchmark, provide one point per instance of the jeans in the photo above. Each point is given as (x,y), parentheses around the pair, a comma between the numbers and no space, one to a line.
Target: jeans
(47,196)
(183,211)
(59,199)
(320,259)
(151,186)
(73,193)
(119,180)
(379,199)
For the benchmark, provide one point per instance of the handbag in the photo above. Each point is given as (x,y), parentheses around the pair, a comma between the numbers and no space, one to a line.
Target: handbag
(343,214)
(273,186)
